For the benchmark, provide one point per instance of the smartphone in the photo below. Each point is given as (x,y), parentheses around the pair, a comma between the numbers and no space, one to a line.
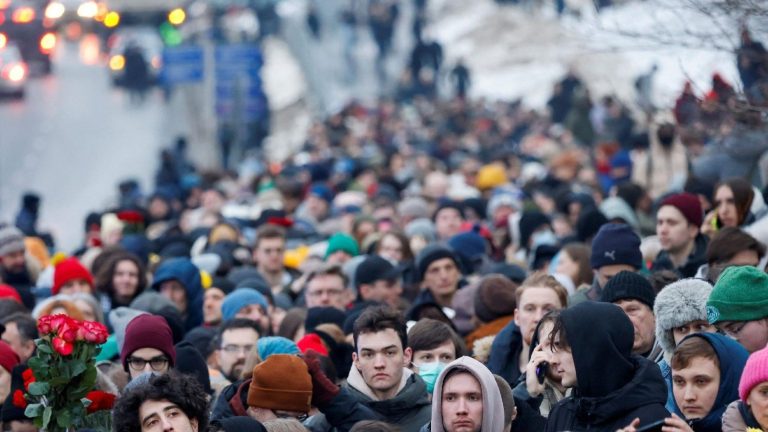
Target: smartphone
(541,371)
(651,427)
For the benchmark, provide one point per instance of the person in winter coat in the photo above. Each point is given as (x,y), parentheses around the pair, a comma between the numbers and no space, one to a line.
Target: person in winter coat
(179,280)
(538,295)
(706,368)
(663,164)
(592,350)
(738,312)
(680,309)
(379,379)
(466,398)
(678,225)
(751,410)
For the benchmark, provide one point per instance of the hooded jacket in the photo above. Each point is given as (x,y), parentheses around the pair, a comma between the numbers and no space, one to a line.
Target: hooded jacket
(183,271)
(409,408)
(493,407)
(504,360)
(614,387)
(732,357)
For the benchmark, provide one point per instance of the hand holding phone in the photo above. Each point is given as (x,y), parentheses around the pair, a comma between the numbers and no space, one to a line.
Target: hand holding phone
(541,371)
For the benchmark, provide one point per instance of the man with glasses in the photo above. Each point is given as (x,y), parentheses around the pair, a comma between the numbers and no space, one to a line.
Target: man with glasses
(327,286)
(738,306)
(235,339)
(148,346)
(280,387)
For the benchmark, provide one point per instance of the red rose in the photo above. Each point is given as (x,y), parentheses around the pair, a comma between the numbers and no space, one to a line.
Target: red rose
(19,400)
(44,325)
(28,378)
(95,332)
(62,346)
(100,401)
(68,329)
(57,321)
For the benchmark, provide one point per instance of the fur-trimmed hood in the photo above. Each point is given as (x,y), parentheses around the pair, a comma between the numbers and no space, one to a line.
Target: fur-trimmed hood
(677,304)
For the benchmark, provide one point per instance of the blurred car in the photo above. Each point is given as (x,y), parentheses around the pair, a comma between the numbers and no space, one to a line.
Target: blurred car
(74,17)
(24,25)
(13,71)
(147,39)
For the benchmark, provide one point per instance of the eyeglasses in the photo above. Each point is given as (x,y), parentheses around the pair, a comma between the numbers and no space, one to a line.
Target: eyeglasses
(234,349)
(158,363)
(283,415)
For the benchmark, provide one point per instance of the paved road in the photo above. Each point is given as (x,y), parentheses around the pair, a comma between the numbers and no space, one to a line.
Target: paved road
(74,138)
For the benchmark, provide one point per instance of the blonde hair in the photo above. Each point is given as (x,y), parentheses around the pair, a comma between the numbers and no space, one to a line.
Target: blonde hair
(543,280)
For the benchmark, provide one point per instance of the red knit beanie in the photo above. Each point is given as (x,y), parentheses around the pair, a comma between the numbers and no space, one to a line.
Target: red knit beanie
(8,358)
(689,205)
(9,292)
(312,342)
(68,270)
(148,331)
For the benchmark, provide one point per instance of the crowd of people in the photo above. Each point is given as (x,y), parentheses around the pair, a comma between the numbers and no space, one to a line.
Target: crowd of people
(431,264)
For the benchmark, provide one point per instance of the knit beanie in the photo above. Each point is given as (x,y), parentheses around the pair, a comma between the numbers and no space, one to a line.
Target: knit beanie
(8,358)
(239,299)
(11,240)
(314,342)
(494,298)
(119,318)
(413,208)
(471,245)
(148,331)
(529,223)
(69,270)
(741,294)
(628,286)
(151,302)
(421,227)
(281,382)
(344,243)
(490,176)
(677,304)
(323,315)
(754,373)
(190,362)
(448,204)
(270,345)
(688,204)
(616,244)
(9,292)
(201,338)
(432,253)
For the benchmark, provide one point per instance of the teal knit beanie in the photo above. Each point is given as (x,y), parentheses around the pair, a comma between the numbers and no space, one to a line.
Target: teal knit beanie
(741,294)
(342,242)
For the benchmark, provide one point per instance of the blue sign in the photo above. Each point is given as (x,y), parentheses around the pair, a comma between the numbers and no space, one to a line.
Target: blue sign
(239,92)
(182,64)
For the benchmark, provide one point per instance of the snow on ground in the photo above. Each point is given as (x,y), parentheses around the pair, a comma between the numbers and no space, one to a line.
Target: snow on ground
(521,51)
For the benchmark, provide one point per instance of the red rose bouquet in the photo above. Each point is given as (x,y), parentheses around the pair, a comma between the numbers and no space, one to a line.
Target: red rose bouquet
(59,384)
